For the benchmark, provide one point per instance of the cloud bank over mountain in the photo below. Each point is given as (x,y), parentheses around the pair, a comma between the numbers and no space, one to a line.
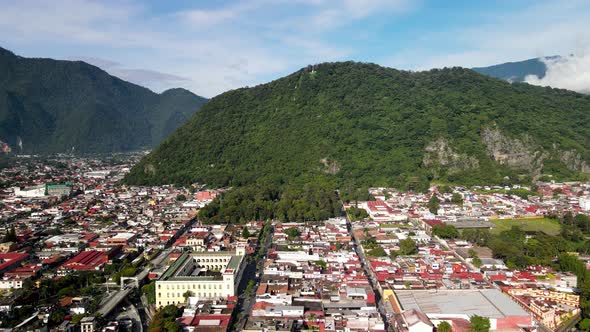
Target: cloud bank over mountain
(569,72)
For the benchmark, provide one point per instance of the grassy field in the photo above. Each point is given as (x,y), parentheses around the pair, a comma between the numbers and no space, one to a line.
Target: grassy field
(546,225)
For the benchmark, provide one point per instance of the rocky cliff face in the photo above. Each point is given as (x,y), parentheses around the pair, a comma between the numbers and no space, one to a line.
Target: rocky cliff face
(573,160)
(330,166)
(519,153)
(439,154)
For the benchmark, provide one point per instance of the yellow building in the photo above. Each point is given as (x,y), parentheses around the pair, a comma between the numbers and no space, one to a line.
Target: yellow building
(202,274)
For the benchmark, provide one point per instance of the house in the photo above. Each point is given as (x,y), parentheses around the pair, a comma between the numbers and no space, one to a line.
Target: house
(413,320)
(87,324)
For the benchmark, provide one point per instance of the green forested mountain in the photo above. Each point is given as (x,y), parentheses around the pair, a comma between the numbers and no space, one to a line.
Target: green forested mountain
(355,124)
(54,106)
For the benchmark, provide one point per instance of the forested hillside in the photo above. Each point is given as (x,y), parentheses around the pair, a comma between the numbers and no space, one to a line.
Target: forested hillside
(62,106)
(353,124)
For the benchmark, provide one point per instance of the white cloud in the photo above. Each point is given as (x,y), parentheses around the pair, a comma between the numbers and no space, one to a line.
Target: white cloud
(207,50)
(546,28)
(211,50)
(177,55)
(569,72)
(326,15)
(79,21)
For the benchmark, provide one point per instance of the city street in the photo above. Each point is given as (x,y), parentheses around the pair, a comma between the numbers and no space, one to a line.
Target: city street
(252,269)
(370,277)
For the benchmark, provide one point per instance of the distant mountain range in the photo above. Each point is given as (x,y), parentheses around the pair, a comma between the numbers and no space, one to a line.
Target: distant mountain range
(516,71)
(49,106)
(361,124)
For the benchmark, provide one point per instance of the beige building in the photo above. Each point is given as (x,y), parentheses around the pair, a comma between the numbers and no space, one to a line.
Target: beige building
(196,243)
(87,324)
(202,274)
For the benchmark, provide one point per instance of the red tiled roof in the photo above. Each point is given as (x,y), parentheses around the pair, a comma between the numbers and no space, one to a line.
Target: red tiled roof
(10,259)
(433,222)
(86,260)
(379,206)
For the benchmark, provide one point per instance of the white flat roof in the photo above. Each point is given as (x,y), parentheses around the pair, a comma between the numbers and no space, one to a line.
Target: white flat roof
(123,236)
(490,303)
(209,322)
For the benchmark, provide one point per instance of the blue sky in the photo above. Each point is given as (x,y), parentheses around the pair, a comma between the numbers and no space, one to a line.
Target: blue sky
(213,46)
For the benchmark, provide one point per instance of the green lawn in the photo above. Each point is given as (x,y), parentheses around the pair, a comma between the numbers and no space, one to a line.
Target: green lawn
(546,225)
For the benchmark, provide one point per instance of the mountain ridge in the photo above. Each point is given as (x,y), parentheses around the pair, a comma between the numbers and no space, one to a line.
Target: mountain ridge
(59,106)
(517,71)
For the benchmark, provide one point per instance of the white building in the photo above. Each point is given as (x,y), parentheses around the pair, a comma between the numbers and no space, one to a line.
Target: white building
(34,191)
(97,174)
(11,283)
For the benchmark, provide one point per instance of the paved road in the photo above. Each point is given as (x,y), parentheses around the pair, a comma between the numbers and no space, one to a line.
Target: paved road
(132,314)
(252,268)
(158,260)
(370,277)
(113,301)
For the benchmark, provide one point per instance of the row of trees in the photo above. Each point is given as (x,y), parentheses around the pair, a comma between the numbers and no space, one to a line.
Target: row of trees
(406,247)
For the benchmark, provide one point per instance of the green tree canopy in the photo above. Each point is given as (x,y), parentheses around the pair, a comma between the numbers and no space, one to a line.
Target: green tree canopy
(444,326)
(457,199)
(293,232)
(433,204)
(445,231)
(377,252)
(245,232)
(479,324)
(407,247)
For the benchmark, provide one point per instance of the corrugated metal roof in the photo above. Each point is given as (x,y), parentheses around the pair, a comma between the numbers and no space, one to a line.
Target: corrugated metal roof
(486,302)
